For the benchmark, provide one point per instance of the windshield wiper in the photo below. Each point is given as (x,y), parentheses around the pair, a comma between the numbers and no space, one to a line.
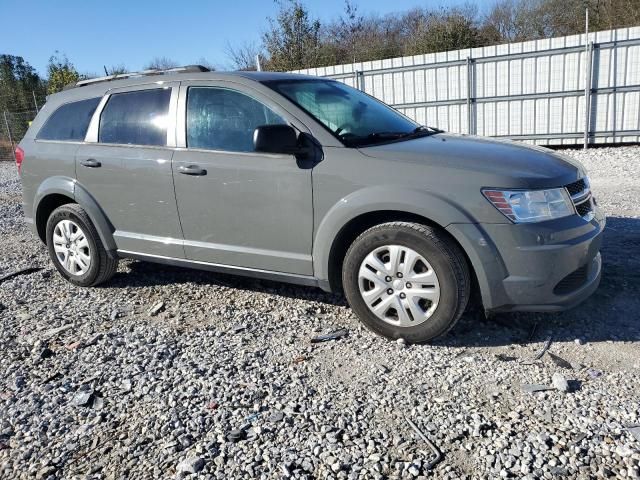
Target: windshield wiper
(362,140)
(359,140)
(423,130)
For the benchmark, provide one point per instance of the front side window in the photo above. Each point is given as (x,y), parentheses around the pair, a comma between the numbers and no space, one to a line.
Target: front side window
(223,119)
(136,118)
(354,117)
(69,122)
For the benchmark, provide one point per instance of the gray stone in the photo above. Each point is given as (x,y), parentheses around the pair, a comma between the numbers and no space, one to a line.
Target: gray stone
(190,465)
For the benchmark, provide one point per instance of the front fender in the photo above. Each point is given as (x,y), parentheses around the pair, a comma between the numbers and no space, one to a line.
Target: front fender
(426,204)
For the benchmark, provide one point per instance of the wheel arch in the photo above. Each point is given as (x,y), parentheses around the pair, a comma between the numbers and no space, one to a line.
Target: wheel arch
(57,191)
(44,209)
(352,216)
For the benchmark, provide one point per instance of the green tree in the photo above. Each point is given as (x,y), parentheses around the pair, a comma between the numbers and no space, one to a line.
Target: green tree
(293,39)
(19,82)
(61,73)
(438,31)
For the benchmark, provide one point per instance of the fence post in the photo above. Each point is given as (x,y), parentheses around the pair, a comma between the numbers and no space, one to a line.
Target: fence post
(470,80)
(35,102)
(588,80)
(6,122)
(359,79)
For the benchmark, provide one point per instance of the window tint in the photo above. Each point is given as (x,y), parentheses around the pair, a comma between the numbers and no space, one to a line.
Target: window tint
(136,118)
(222,119)
(69,122)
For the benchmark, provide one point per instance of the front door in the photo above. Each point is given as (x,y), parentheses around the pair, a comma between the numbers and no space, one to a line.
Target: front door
(239,207)
(126,167)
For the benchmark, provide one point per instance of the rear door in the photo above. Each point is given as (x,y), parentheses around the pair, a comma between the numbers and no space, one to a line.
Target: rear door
(126,166)
(239,207)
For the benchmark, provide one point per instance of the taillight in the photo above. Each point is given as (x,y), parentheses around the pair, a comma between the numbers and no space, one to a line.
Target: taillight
(19,158)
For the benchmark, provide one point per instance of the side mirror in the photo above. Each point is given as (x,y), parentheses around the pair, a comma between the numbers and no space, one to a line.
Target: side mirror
(277,139)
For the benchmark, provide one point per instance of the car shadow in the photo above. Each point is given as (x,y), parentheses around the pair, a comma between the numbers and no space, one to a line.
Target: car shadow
(609,314)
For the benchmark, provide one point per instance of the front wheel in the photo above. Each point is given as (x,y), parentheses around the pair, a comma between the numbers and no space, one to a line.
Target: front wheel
(406,280)
(76,249)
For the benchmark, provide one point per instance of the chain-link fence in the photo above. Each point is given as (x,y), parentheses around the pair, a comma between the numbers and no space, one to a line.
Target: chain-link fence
(13,126)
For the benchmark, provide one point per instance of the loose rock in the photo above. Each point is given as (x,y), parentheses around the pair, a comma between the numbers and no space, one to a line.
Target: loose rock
(560,383)
(190,465)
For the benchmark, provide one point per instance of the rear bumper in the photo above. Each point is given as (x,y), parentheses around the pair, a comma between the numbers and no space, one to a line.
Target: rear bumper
(545,267)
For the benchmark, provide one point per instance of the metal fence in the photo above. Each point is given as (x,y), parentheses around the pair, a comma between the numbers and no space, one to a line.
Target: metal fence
(533,91)
(13,126)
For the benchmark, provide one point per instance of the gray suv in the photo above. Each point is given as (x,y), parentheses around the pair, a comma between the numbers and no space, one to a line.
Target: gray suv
(308,181)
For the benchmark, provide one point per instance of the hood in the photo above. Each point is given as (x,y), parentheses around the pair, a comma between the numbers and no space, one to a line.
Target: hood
(496,163)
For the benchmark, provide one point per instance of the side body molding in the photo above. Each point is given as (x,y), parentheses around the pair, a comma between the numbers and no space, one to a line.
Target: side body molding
(60,185)
(379,198)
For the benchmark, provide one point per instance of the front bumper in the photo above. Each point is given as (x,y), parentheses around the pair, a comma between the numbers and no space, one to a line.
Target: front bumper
(544,267)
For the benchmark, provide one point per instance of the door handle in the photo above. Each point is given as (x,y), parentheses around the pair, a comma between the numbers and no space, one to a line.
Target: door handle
(191,170)
(91,163)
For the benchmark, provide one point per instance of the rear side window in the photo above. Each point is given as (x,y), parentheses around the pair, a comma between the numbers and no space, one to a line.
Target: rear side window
(223,119)
(136,118)
(69,122)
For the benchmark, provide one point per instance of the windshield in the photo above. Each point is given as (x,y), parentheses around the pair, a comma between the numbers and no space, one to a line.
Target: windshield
(356,118)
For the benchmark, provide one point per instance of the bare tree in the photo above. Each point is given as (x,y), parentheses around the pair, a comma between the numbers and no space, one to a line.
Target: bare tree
(161,63)
(206,63)
(117,69)
(244,56)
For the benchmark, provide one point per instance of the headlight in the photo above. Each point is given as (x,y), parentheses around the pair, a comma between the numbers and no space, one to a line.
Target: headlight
(521,206)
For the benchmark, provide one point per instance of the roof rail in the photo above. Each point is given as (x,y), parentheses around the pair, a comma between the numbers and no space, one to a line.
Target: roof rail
(143,73)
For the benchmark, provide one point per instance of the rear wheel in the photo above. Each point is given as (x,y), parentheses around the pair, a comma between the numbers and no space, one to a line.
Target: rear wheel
(406,280)
(76,249)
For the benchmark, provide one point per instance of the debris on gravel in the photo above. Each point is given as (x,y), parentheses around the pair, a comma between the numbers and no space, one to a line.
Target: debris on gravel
(187,393)
(559,361)
(22,271)
(535,387)
(156,309)
(330,336)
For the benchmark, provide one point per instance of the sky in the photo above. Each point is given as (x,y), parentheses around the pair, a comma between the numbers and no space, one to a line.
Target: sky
(94,34)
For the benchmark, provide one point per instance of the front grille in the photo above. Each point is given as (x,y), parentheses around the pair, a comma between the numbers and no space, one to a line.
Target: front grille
(572,282)
(584,208)
(581,197)
(576,187)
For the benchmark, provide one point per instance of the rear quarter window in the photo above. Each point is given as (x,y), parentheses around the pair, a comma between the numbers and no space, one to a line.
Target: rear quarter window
(136,118)
(69,122)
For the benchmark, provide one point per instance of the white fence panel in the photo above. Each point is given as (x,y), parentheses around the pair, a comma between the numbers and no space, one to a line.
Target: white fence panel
(532,91)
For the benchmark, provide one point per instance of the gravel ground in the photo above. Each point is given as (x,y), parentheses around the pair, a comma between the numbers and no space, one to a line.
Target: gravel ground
(223,380)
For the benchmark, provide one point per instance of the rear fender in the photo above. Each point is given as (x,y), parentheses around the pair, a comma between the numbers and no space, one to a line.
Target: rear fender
(68,187)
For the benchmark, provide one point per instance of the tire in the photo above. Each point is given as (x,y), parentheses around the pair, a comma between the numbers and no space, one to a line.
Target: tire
(432,303)
(100,267)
